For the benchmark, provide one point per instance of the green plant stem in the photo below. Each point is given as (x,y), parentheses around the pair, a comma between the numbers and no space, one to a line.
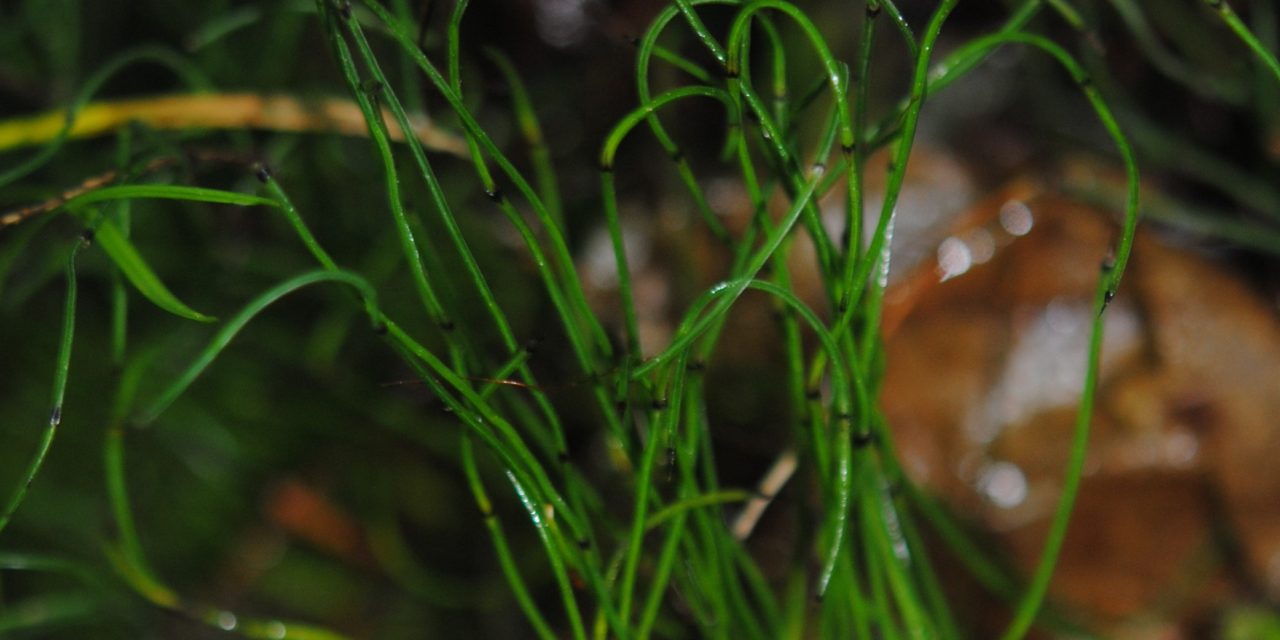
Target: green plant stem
(608,192)
(1237,26)
(541,525)
(236,324)
(61,369)
(450,222)
(531,130)
(378,134)
(1029,606)
(500,546)
(560,250)
(855,274)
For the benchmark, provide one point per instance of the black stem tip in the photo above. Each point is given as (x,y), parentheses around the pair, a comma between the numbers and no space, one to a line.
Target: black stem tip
(262,172)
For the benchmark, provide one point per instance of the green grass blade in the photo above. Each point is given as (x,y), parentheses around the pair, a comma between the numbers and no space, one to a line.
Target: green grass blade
(130,262)
(237,323)
(61,369)
(503,550)
(139,273)
(166,192)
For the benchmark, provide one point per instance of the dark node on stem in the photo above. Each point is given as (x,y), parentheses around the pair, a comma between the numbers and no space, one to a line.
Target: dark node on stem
(730,72)
(844,416)
(620,406)
(495,194)
(584,544)
(563,456)
(262,172)
(753,116)
(380,329)
(863,439)
(1107,297)
(848,149)
(842,305)
(1085,80)
(813,393)
(344,9)
(677,155)
(873,9)
(818,597)
(606,167)
(696,366)
(55,417)
(487,513)
(86,237)
(659,404)
(447,325)
(372,87)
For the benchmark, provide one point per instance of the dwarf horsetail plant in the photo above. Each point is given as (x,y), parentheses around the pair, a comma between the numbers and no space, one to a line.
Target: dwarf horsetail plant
(638,545)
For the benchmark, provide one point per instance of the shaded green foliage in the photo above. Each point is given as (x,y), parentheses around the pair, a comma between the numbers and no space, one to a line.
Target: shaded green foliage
(484,453)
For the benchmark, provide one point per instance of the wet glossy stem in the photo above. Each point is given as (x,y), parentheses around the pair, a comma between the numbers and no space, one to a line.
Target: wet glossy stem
(735,288)
(391,180)
(559,247)
(608,191)
(61,368)
(834,74)
(500,546)
(548,537)
(700,30)
(855,277)
(442,207)
(909,38)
